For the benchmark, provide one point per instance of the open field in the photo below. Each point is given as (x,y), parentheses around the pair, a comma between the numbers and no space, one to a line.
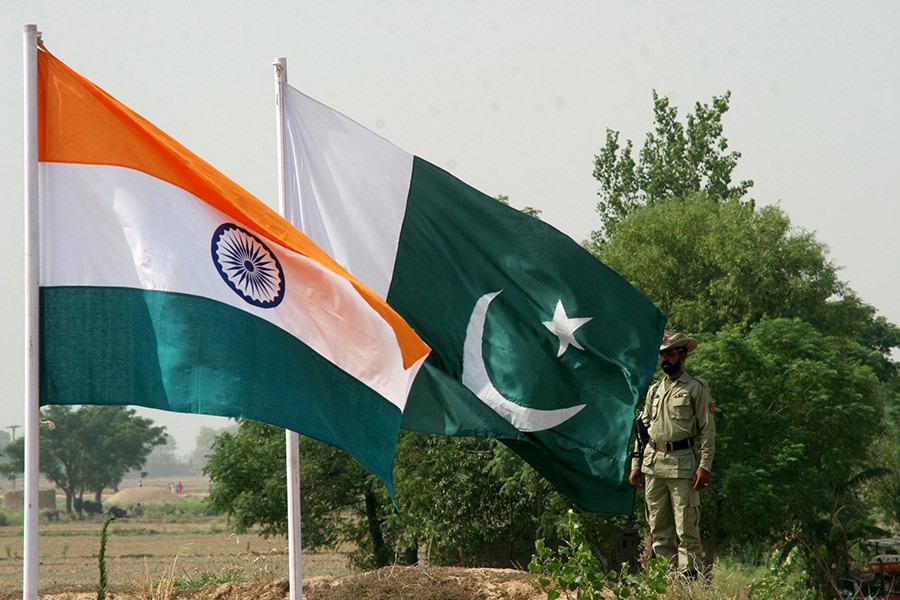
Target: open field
(167,542)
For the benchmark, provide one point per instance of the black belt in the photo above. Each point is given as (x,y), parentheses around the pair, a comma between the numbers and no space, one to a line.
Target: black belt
(672,446)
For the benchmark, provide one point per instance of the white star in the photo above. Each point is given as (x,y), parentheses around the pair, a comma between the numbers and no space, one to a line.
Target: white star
(564,328)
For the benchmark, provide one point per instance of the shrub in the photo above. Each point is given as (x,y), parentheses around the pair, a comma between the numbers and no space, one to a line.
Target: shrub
(573,568)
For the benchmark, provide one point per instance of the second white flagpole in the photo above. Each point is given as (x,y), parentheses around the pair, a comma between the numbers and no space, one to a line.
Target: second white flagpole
(291,438)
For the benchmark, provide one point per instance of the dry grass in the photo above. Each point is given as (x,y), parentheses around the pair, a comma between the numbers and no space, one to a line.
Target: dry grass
(390,583)
(71,560)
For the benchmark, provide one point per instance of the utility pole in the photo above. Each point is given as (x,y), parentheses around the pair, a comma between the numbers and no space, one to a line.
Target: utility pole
(13,429)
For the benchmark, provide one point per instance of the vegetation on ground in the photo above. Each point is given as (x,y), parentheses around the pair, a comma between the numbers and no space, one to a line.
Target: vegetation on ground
(573,570)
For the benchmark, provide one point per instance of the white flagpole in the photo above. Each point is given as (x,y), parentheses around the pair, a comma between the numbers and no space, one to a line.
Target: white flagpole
(291,438)
(31,37)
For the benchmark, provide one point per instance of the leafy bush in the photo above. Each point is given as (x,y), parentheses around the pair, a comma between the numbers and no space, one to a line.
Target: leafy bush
(573,568)
(785,580)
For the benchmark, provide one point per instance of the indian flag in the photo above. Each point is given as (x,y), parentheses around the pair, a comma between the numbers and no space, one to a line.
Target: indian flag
(534,341)
(164,284)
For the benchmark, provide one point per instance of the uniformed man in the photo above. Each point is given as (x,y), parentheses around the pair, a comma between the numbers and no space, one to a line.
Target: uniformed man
(678,413)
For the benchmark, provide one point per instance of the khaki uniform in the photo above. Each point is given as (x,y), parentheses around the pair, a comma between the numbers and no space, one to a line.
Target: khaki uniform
(675,411)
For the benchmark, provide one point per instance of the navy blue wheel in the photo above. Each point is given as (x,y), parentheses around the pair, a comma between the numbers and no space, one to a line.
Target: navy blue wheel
(247,265)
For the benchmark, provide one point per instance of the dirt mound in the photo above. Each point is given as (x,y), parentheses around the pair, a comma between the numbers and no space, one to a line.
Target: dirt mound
(389,583)
(145,495)
(426,583)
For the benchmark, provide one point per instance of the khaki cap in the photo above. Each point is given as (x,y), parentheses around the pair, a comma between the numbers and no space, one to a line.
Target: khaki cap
(677,340)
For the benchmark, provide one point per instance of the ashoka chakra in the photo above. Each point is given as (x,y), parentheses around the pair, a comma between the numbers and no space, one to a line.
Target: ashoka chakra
(248,266)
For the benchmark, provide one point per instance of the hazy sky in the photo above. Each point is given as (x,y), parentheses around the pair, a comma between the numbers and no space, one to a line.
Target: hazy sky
(512,97)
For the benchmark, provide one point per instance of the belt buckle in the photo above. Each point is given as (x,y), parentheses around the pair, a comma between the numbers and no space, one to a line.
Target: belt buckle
(660,446)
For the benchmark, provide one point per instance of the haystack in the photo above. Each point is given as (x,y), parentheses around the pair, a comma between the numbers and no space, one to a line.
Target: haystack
(15,499)
(145,495)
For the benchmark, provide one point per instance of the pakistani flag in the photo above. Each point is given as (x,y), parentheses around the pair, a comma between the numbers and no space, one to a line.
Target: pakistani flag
(164,284)
(534,341)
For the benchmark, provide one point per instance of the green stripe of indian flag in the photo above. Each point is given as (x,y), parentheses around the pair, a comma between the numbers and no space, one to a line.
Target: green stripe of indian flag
(105,226)
(186,353)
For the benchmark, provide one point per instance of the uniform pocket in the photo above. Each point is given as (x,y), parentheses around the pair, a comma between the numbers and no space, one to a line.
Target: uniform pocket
(652,407)
(682,408)
(687,462)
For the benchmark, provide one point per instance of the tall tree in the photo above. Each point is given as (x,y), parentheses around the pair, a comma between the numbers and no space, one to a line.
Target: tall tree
(677,160)
(92,447)
(795,419)
(709,264)
(793,355)
(119,440)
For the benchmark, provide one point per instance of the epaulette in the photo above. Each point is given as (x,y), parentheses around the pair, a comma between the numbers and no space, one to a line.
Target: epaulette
(702,381)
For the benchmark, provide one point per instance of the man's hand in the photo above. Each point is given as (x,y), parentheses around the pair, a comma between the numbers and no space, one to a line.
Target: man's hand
(636,478)
(701,479)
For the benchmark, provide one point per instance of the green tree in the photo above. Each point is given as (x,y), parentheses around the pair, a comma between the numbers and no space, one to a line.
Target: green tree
(468,501)
(248,469)
(801,367)
(795,420)
(677,160)
(710,264)
(118,441)
(204,441)
(14,459)
(91,448)
(883,493)
(528,210)
(849,316)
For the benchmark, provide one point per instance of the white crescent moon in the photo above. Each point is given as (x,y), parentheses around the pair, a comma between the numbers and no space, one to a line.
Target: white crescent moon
(475,377)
